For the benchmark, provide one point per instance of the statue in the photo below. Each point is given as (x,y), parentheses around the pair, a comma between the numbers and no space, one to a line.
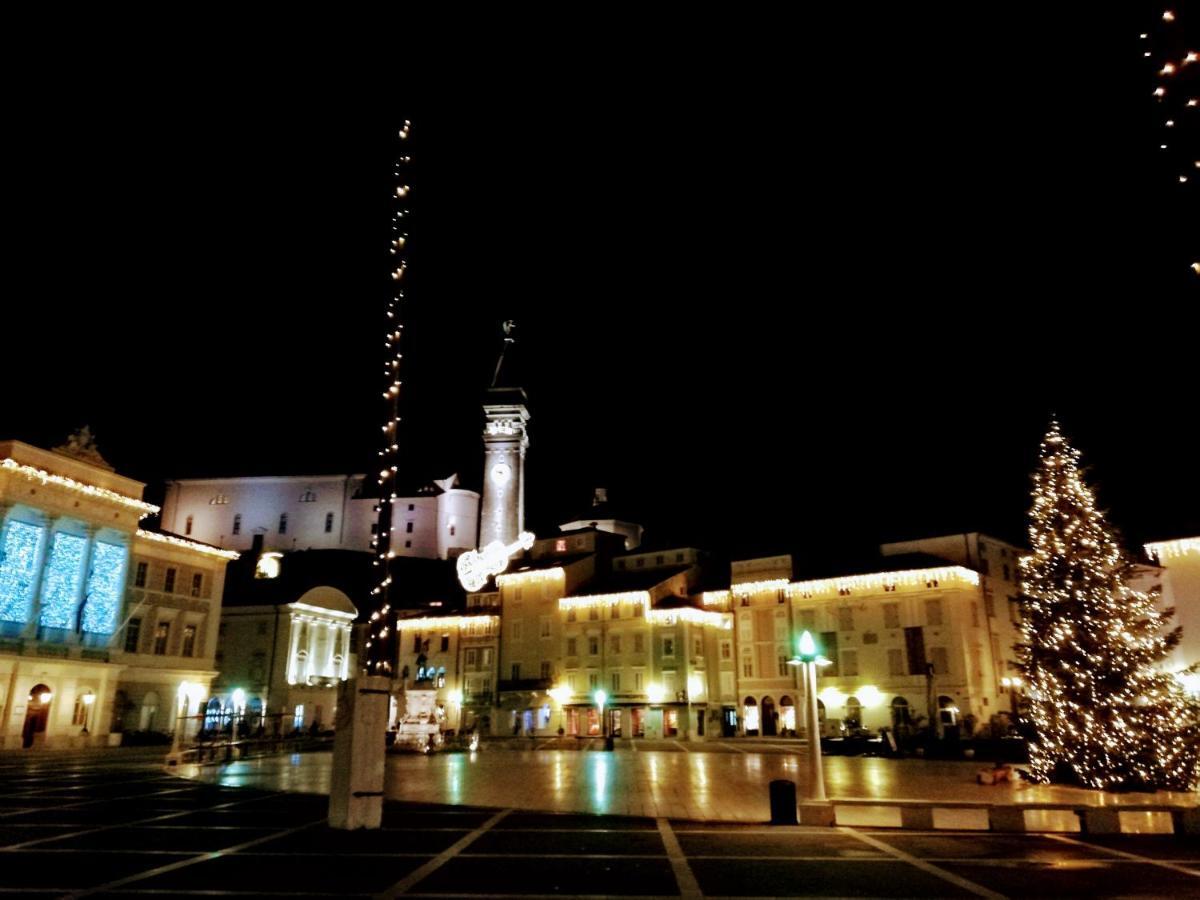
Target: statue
(82,446)
(508,328)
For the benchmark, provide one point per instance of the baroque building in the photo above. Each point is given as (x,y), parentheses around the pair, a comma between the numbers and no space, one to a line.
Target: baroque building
(104,626)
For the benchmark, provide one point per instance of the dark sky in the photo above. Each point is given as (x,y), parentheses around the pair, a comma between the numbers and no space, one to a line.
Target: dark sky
(799,297)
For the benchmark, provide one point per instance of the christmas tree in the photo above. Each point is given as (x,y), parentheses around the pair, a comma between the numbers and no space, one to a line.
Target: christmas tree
(1105,716)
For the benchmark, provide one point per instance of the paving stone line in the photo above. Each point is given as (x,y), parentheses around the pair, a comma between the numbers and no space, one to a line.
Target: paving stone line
(1126,855)
(184,863)
(925,866)
(421,872)
(689,888)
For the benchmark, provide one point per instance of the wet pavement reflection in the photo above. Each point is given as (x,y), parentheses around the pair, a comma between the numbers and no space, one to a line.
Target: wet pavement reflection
(687,785)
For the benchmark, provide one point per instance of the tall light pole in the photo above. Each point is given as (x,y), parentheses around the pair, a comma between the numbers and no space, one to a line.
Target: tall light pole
(808,659)
(88,699)
(601,696)
(560,695)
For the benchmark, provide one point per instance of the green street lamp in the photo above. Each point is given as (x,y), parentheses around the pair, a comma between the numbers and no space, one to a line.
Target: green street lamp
(809,658)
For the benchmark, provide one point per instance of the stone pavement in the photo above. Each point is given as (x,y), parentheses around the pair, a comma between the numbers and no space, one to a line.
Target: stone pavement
(717,781)
(114,824)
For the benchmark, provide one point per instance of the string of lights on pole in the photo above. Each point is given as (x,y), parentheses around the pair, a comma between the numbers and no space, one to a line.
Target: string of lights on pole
(381,630)
(1176,69)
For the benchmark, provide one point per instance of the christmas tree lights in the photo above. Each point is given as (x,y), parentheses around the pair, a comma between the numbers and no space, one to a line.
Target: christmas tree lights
(381,634)
(1105,716)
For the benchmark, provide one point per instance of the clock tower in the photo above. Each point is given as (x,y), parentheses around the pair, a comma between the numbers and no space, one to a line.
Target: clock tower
(505,439)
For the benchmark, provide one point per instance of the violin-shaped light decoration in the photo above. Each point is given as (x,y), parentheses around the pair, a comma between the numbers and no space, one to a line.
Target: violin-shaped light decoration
(475,567)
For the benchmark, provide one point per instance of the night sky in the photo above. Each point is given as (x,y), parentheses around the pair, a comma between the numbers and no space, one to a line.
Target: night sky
(800,298)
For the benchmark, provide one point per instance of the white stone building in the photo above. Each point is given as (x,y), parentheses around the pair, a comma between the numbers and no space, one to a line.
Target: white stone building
(320,512)
(1180,580)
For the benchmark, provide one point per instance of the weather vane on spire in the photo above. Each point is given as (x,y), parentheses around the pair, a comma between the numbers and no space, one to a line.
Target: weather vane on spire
(508,327)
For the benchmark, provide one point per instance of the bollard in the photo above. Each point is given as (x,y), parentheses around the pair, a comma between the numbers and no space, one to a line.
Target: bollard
(783,802)
(608,743)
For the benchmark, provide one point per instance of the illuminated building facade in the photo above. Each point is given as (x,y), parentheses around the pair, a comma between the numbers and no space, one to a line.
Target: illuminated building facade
(913,635)
(104,627)
(1179,577)
(287,636)
(320,512)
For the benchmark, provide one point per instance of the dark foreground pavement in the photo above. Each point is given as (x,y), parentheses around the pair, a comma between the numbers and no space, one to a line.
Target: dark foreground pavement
(113,824)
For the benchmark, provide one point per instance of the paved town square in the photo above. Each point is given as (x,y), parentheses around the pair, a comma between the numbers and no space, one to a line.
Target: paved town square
(115,824)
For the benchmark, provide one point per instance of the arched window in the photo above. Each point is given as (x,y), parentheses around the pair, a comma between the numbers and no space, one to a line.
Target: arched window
(901,713)
(787,714)
(853,712)
(750,715)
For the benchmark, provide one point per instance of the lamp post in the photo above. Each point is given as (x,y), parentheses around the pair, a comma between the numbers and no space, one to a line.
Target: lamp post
(808,659)
(88,699)
(559,695)
(601,697)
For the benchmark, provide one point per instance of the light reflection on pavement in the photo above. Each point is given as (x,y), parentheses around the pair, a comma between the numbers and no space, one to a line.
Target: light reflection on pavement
(694,785)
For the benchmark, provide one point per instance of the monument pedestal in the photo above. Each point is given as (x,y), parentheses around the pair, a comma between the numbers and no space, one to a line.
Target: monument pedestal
(359,753)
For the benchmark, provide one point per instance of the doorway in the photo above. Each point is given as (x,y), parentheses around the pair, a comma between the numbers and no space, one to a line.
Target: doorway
(770,718)
(37,713)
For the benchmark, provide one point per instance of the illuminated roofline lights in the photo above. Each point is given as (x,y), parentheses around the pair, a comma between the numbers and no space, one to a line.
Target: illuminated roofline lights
(188,545)
(881,579)
(531,575)
(714,598)
(1161,550)
(442,621)
(752,587)
(601,600)
(321,610)
(691,615)
(79,487)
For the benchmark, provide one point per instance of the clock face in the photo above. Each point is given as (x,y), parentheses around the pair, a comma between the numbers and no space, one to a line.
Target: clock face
(501,473)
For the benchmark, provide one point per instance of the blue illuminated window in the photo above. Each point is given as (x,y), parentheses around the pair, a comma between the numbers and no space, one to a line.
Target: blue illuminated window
(18,566)
(60,591)
(104,589)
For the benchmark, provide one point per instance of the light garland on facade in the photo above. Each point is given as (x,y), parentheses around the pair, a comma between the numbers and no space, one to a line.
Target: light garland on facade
(715,598)
(427,623)
(88,490)
(1106,715)
(60,588)
(380,649)
(534,576)
(601,601)
(321,611)
(880,580)
(18,570)
(185,544)
(103,589)
(753,587)
(723,621)
(1163,550)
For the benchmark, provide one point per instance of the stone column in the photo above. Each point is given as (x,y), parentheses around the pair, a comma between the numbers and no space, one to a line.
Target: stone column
(359,745)
(331,642)
(76,635)
(293,648)
(345,672)
(311,662)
